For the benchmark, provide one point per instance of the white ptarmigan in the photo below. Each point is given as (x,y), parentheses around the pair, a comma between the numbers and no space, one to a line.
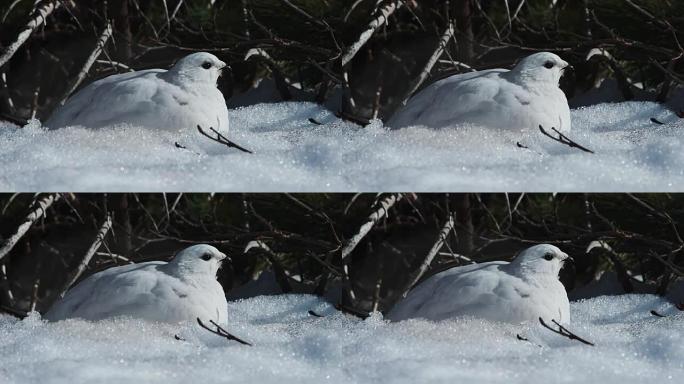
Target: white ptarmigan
(525,289)
(177,99)
(183,289)
(520,99)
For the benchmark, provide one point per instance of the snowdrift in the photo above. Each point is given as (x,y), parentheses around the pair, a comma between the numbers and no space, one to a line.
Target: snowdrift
(292,153)
(290,346)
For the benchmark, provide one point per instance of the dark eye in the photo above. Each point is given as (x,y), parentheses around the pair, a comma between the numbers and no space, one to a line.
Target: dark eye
(206,65)
(548,256)
(206,257)
(548,64)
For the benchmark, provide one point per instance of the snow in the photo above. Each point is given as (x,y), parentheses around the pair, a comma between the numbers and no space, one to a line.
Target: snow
(293,154)
(632,346)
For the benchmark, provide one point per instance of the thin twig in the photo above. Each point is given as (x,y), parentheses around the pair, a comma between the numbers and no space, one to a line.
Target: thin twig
(221,332)
(564,139)
(656,314)
(34,295)
(564,332)
(6,90)
(4,283)
(9,9)
(525,339)
(18,313)
(314,314)
(221,139)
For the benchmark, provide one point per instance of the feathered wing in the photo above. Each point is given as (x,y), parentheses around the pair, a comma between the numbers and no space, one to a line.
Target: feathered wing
(104,293)
(449,99)
(146,291)
(105,99)
(446,293)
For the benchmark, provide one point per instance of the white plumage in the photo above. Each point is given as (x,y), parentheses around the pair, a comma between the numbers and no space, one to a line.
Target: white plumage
(178,99)
(181,290)
(523,290)
(519,99)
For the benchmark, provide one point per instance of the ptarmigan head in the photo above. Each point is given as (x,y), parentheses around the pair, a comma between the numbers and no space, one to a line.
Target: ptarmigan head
(541,260)
(200,68)
(544,67)
(200,259)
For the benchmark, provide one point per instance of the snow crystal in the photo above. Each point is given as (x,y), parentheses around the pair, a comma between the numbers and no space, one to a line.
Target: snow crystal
(291,346)
(291,153)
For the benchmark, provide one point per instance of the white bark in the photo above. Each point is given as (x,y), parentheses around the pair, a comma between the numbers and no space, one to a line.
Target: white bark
(3,83)
(42,13)
(4,282)
(377,215)
(42,206)
(373,218)
(382,14)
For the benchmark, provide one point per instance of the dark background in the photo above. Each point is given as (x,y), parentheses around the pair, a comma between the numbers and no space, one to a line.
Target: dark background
(304,234)
(300,43)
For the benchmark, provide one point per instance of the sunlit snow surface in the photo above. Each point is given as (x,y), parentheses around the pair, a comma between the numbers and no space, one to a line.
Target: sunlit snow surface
(293,154)
(290,346)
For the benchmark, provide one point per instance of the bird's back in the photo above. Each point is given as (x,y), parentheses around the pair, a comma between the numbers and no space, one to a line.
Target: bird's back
(151,291)
(98,295)
(149,98)
(98,102)
(493,291)
(439,103)
(444,294)
(492,98)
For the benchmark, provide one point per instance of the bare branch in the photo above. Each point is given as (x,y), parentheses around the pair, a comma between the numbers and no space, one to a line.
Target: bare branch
(564,139)
(384,205)
(4,284)
(41,13)
(314,314)
(9,9)
(5,89)
(221,139)
(32,217)
(281,276)
(99,46)
(446,229)
(656,314)
(104,229)
(380,18)
(221,332)
(564,332)
(441,46)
